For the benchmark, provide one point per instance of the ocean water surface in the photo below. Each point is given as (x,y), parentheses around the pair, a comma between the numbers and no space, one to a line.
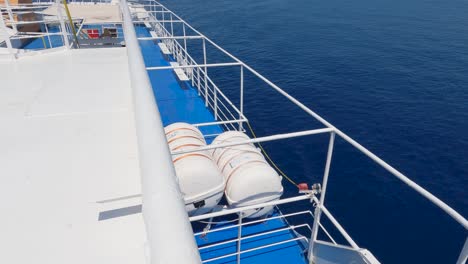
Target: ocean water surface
(393,75)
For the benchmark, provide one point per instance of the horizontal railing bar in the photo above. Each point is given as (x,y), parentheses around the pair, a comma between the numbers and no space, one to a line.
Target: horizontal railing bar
(260,139)
(219,122)
(207,39)
(249,207)
(33,22)
(252,222)
(291,227)
(17,7)
(336,224)
(36,33)
(25,4)
(171,37)
(134,4)
(211,81)
(158,21)
(442,205)
(455,215)
(274,244)
(226,64)
(153,11)
(413,185)
(211,135)
(13,12)
(256,248)
(35,36)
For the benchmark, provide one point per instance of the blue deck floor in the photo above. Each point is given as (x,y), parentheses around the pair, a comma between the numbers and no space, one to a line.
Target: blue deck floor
(45,42)
(291,252)
(179,102)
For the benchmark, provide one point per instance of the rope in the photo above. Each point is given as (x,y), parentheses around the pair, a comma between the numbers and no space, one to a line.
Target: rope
(43,42)
(269,159)
(67,11)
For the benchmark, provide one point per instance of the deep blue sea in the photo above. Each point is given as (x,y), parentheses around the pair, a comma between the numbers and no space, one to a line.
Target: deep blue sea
(393,75)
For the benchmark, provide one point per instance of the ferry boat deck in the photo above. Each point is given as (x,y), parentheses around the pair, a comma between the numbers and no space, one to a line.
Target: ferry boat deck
(69,160)
(85,179)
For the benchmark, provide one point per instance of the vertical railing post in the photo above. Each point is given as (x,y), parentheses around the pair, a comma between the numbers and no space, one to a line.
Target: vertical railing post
(163,15)
(198,77)
(62,24)
(47,31)
(10,15)
(172,26)
(318,210)
(241,107)
(206,72)
(173,41)
(160,12)
(6,36)
(215,101)
(192,73)
(185,40)
(239,236)
(464,253)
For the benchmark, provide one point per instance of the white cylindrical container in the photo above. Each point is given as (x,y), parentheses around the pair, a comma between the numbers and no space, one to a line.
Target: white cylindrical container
(200,180)
(249,178)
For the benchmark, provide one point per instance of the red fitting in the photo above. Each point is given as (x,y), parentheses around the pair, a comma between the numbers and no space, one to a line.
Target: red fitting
(303,187)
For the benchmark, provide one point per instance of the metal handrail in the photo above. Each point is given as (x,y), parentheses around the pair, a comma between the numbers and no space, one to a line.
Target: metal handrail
(181,55)
(241,224)
(239,211)
(455,215)
(16,9)
(450,211)
(281,216)
(238,253)
(290,227)
(138,80)
(160,190)
(433,199)
(258,140)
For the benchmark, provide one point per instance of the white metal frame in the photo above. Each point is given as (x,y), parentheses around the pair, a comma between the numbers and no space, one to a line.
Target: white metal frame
(165,27)
(223,109)
(240,224)
(160,190)
(59,20)
(226,114)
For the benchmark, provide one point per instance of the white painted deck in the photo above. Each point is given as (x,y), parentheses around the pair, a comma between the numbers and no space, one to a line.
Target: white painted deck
(67,144)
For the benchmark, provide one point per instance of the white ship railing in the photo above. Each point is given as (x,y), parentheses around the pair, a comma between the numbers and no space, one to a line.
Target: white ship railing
(240,225)
(90,2)
(223,109)
(167,227)
(14,18)
(48,16)
(226,114)
(160,190)
(163,22)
